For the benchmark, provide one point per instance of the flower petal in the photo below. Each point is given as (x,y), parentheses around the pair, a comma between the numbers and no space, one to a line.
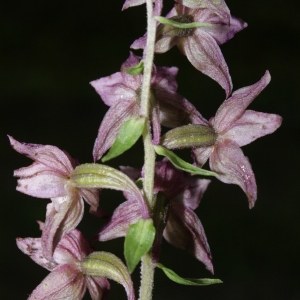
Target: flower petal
(98,287)
(112,89)
(33,248)
(65,282)
(205,55)
(233,108)
(51,156)
(201,155)
(60,219)
(123,216)
(252,125)
(111,124)
(229,161)
(185,231)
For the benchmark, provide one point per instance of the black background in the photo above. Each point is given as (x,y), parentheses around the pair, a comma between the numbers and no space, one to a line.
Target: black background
(51,50)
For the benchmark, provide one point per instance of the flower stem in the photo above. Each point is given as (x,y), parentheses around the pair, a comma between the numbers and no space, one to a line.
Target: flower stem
(147,268)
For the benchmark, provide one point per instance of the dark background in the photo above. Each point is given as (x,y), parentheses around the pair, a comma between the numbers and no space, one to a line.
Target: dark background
(51,50)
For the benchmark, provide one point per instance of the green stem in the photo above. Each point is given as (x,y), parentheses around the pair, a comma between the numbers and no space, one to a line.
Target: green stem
(147,268)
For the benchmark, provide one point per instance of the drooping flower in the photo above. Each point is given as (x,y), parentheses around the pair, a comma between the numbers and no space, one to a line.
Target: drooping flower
(178,195)
(234,127)
(48,177)
(69,278)
(121,91)
(200,44)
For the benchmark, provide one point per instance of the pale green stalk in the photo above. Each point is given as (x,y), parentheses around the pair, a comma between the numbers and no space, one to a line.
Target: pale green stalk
(147,268)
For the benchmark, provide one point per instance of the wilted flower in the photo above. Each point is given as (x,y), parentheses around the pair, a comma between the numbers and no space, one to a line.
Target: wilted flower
(48,177)
(121,91)
(175,219)
(234,127)
(200,44)
(66,280)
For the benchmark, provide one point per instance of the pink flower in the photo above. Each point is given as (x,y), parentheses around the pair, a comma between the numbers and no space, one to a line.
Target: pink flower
(66,280)
(48,177)
(234,127)
(179,225)
(201,44)
(121,91)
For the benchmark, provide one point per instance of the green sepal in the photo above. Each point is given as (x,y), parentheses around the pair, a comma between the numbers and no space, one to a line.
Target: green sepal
(181,164)
(138,241)
(173,23)
(129,133)
(135,70)
(187,281)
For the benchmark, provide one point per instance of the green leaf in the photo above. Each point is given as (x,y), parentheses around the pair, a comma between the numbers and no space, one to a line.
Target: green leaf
(138,241)
(181,164)
(135,70)
(187,281)
(129,133)
(181,25)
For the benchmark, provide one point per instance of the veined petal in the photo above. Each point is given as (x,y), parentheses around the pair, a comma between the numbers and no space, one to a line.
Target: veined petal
(60,219)
(165,78)
(185,231)
(98,287)
(205,55)
(51,156)
(65,282)
(112,89)
(46,184)
(130,3)
(201,155)
(229,162)
(33,248)
(91,196)
(123,216)
(73,247)
(111,124)
(252,125)
(218,7)
(233,108)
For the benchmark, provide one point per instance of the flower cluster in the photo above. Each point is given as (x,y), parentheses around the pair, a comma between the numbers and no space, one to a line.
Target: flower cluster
(160,197)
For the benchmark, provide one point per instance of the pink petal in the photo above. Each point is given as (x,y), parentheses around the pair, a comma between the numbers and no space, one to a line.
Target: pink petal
(112,89)
(123,216)
(205,55)
(252,125)
(45,184)
(130,3)
(185,231)
(33,248)
(60,219)
(98,287)
(232,166)
(201,155)
(165,78)
(65,282)
(233,108)
(111,124)
(51,156)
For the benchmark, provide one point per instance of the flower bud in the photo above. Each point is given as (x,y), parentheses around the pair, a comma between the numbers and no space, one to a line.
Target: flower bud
(189,136)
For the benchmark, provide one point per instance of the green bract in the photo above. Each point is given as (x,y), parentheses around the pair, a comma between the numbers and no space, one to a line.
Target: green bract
(135,70)
(129,133)
(187,281)
(138,241)
(181,164)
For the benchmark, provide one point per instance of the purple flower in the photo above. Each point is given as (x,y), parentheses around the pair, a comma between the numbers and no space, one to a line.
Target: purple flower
(179,225)
(48,177)
(66,280)
(235,127)
(121,91)
(201,44)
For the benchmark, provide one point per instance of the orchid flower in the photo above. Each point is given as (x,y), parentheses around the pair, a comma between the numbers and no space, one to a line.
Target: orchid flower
(49,177)
(66,280)
(234,127)
(199,44)
(121,91)
(181,227)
